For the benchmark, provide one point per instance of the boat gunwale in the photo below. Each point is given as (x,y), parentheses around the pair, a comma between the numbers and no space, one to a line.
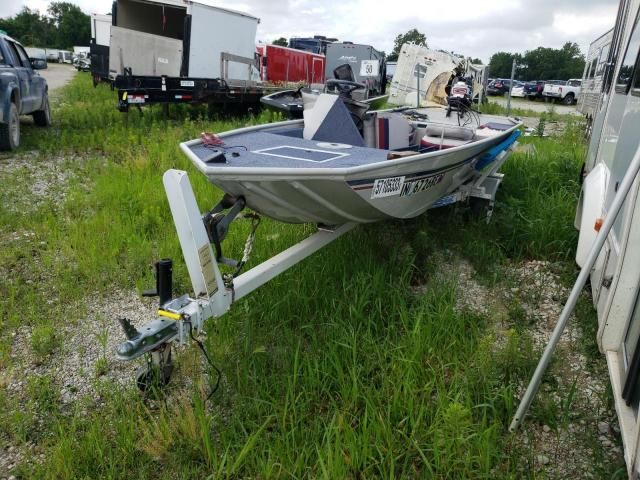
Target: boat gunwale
(325,173)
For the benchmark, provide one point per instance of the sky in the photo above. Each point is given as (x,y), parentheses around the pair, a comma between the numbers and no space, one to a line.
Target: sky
(475,28)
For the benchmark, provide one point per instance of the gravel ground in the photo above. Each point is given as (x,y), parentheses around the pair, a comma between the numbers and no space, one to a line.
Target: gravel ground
(32,180)
(58,75)
(590,432)
(589,423)
(537,106)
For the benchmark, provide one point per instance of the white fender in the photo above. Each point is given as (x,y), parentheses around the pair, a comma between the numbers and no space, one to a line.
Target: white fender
(591,208)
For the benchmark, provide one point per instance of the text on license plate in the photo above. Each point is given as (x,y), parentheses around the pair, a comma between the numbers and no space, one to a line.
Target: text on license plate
(386,187)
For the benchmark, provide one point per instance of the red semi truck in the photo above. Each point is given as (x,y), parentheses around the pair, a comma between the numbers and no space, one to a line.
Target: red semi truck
(287,65)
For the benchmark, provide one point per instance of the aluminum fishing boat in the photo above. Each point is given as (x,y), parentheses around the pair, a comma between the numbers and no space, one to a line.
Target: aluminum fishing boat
(329,169)
(337,167)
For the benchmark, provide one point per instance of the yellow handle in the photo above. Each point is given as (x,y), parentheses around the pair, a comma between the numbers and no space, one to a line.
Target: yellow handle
(171,315)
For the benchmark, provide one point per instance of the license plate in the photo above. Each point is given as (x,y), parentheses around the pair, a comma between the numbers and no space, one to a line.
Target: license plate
(387,187)
(135,99)
(187,83)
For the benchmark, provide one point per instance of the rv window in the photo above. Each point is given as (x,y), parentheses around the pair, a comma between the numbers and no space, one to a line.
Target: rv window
(592,68)
(626,69)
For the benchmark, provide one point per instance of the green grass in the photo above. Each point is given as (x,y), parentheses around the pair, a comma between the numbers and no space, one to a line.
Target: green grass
(336,369)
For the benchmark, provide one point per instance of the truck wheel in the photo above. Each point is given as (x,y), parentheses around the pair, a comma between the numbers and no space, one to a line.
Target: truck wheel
(10,131)
(42,118)
(568,99)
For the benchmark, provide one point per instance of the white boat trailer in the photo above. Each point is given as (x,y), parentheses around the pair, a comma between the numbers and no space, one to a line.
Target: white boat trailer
(200,238)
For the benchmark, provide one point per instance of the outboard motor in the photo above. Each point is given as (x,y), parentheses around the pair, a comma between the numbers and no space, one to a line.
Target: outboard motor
(460,96)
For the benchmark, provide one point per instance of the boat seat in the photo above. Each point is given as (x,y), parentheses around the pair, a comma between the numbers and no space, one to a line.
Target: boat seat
(440,137)
(329,120)
(393,131)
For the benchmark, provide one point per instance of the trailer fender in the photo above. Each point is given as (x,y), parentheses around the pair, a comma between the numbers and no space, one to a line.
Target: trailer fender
(590,209)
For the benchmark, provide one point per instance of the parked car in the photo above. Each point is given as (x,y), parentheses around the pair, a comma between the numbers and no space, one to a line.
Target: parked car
(22,91)
(499,86)
(566,91)
(518,89)
(533,90)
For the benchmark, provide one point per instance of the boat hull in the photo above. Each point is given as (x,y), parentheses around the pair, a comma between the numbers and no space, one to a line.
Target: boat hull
(399,188)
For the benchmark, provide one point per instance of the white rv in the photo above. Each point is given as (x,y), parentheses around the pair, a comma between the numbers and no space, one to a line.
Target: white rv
(591,88)
(421,72)
(615,278)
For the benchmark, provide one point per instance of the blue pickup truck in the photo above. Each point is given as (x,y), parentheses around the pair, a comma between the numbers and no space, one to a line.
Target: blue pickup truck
(22,91)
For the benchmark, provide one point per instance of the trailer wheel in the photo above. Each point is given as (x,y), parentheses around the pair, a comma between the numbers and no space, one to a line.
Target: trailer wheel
(10,131)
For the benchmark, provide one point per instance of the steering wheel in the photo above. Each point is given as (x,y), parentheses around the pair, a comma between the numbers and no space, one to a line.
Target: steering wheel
(345,87)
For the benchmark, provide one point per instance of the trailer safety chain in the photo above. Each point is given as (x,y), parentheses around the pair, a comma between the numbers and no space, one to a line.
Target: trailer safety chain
(248,247)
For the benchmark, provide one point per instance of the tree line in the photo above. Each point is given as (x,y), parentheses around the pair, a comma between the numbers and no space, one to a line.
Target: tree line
(540,64)
(63,26)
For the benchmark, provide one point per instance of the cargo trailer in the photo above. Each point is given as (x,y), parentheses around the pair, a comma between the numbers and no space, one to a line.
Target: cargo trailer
(316,44)
(282,65)
(368,64)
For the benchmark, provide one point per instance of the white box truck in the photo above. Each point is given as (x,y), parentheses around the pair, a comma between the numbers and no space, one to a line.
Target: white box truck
(172,51)
(99,47)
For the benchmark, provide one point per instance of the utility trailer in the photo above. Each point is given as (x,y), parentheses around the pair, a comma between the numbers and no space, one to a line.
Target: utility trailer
(171,51)
(99,47)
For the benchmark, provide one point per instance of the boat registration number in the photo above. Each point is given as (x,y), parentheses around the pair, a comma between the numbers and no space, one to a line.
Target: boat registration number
(417,186)
(387,187)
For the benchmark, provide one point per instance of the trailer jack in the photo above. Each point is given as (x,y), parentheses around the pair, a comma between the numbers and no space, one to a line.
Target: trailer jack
(213,294)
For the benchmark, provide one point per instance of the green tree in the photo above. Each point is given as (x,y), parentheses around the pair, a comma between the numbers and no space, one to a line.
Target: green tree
(73,26)
(412,35)
(553,64)
(501,63)
(29,27)
(280,41)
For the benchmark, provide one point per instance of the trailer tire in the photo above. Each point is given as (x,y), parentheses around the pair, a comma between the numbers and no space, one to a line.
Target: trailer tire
(10,131)
(42,117)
